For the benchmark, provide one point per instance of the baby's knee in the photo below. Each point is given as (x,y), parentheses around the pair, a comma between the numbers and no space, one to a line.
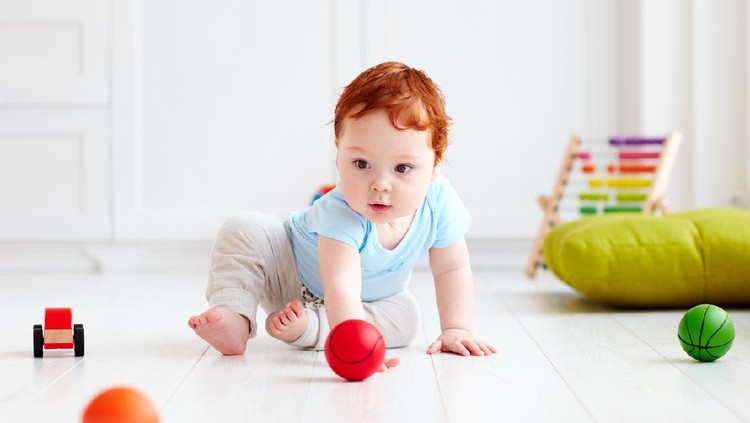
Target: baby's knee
(249,227)
(405,323)
(405,335)
(243,224)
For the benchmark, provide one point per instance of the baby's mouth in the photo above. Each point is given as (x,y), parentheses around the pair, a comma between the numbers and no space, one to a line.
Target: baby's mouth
(379,208)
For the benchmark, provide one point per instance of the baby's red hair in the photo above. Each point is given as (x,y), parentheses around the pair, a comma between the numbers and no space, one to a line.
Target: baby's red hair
(409,96)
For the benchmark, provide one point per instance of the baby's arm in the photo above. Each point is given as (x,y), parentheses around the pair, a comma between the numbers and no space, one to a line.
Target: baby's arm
(341,274)
(342,280)
(454,283)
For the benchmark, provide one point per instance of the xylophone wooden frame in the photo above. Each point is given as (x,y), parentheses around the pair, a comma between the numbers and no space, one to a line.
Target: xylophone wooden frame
(654,203)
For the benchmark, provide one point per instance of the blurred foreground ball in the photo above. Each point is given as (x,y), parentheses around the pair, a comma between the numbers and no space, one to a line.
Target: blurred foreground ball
(120,404)
(706,332)
(355,349)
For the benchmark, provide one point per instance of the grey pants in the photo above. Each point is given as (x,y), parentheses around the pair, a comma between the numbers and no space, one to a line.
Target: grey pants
(253,264)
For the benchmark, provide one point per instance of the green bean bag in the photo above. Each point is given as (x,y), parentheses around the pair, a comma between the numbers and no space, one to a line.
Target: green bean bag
(636,260)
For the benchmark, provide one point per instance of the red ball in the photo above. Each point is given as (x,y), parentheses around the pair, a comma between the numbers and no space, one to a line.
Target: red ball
(355,349)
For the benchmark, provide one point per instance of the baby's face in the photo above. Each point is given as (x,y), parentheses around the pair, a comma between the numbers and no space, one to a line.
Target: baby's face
(384,172)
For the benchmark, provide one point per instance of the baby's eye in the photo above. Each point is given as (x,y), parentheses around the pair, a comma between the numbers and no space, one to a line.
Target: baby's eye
(361,164)
(402,168)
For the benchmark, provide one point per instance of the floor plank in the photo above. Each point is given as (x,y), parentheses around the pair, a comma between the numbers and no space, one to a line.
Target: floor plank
(135,334)
(726,380)
(516,380)
(561,358)
(269,381)
(407,392)
(617,375)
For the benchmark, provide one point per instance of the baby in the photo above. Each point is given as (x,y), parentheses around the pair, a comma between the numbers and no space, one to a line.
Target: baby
(350,255)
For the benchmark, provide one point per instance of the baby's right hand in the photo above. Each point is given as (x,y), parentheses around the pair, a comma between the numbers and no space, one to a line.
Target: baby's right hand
(388,363)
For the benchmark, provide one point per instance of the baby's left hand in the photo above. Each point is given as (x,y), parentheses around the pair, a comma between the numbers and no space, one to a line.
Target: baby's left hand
(460,341)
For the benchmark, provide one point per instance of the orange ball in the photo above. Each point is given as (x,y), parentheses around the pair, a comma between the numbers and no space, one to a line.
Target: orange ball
(120,405)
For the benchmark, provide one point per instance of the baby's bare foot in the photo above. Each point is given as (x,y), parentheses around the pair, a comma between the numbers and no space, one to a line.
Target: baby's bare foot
(224,329)
(289,323)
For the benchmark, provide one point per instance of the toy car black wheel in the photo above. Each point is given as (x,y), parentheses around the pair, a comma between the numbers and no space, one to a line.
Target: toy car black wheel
(78,340)
(38,341)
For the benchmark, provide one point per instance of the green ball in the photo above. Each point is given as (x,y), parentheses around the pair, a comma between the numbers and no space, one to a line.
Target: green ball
(706,332)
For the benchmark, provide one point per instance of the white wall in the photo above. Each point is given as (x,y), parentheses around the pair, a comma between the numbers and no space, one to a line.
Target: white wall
(205,117)
(695,78)
(519,78)
(219,108)
(130,121)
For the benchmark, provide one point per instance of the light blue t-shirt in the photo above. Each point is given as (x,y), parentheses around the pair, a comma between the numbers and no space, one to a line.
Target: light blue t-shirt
(441,220)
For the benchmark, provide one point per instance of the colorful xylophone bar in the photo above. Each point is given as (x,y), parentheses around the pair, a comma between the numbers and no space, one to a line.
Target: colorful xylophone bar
(645,163)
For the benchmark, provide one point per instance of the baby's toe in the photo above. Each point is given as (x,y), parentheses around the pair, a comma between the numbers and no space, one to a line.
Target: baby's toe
(297,307)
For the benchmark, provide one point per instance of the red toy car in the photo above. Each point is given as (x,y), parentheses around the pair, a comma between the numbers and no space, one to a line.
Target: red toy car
(59,332)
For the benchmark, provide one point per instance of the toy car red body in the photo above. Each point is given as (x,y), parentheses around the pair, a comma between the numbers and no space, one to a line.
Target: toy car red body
(59,332)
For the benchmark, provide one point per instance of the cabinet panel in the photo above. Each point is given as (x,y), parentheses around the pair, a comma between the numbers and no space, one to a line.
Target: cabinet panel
(40,172)
(54,52)
(54,175)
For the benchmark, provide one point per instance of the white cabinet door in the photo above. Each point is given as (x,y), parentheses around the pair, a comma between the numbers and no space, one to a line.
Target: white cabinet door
(54,51)
(220,108)
(54,175)
(55,169)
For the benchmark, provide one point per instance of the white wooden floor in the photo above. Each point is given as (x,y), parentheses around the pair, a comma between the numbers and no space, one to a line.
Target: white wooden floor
(561,359)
